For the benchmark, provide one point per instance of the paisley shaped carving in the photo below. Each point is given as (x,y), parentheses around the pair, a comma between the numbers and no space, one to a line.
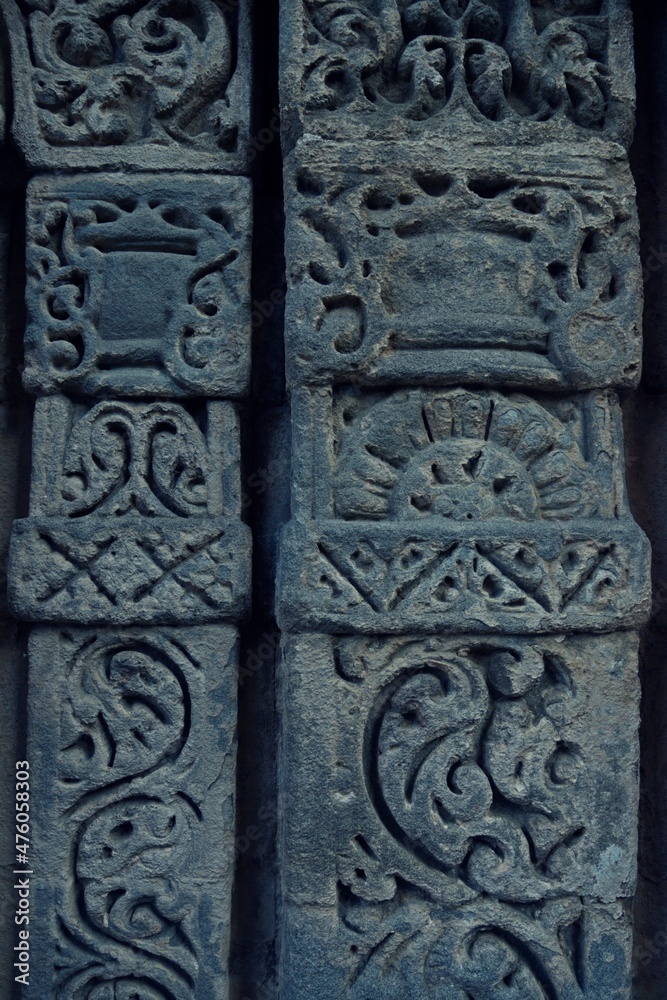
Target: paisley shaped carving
(127,711)
(126,860)
(454,745)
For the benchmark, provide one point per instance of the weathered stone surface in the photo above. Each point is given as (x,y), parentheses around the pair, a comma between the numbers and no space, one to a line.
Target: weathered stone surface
(378,578)
(135,516)
(445,263)
(424,509)
(458,817)
(131,83)
(132,751)
(523,72)
(139,286)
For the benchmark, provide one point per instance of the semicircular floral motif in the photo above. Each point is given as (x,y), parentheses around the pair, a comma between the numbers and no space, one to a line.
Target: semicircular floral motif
(463,456)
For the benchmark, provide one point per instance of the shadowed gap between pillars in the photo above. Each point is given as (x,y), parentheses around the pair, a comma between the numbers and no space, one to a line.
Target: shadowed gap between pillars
(265,500)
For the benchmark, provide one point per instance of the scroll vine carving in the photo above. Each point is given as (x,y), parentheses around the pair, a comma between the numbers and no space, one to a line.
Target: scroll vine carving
(474,830)
(142,787)
(131,75)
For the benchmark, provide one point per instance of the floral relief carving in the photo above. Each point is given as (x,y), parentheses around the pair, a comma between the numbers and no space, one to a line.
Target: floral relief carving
(525,61)
(157,75)
(144,773)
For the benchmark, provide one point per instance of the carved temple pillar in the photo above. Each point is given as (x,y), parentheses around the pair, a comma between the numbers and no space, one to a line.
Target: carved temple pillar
(134,565)
(462,580)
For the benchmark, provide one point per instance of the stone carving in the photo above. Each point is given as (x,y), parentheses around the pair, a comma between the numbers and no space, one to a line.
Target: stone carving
(461,841)
(138,286)
(145,83)
(134,516)
(421,507)
(510,70)
(431,264)
(134,787)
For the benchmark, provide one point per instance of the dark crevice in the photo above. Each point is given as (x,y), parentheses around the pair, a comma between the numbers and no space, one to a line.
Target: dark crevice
(646,428)
(265,502)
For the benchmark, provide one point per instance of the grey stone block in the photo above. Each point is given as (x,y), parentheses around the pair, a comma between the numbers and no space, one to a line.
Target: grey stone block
(525,73)
(458,817)
(135,516)
(132,752)
(440,263)
(373,578)
(139,286)
(429,509)
(130,84)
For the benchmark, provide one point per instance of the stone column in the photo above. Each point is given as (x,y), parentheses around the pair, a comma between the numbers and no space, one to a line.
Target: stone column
(133,563)
(462,579)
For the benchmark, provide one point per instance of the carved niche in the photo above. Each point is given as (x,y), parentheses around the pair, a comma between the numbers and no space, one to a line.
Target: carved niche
(427,508)
(519,71)
(434,264)
(134,516)
(133,789)
(131,83)
(139,286)
(475,829)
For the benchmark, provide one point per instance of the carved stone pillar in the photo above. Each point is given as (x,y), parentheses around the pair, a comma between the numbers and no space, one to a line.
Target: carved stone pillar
(133,562)
(462,578)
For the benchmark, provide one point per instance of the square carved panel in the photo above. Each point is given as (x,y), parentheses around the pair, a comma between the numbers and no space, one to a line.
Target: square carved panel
(425,509)
(138,286)
(137,84)
(135,516)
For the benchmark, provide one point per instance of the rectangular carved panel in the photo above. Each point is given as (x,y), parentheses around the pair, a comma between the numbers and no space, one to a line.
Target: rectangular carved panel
(458,817)
(135,516)
(523,72)
(133,784)
(138,84)
(139,286)
(423,509)
(436,263)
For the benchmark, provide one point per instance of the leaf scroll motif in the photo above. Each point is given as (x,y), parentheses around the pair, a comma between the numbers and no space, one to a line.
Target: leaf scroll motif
(419,57)
(126,861)
(126,714)
(121,457)
(475,952)
(469,772)
(128,71)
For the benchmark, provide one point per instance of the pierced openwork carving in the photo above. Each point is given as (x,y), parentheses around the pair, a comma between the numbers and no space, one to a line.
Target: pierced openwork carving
(427,264)
(477,63)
